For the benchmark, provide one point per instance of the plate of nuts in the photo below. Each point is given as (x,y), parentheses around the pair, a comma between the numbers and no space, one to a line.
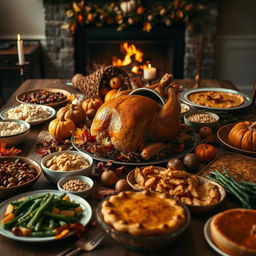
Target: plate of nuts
(17,174)
(52,97)
(198,119)
(79,185)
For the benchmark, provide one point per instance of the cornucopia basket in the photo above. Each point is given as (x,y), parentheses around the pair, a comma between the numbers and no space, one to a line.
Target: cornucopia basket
(93,84)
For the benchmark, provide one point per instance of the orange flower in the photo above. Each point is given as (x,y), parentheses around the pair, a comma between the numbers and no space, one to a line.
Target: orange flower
(80,18)
(147,26)
(189,7)
(76,7)
(140,10)
(90,17)
(179,14)
(73,28)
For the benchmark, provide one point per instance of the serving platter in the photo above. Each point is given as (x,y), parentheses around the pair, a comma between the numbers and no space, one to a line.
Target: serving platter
(189,149)
(222,136)
(193,208)
(208,238)
(3,113)
(53,90)
(184,96)
(84,220)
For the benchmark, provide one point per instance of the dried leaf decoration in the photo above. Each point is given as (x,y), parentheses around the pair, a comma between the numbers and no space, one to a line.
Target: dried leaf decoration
(82,135)
(53,145)
(5,151)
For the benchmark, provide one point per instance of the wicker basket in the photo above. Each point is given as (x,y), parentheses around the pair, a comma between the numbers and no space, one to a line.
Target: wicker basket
(91,85)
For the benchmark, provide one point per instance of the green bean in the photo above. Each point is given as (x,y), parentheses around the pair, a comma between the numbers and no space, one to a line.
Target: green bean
(38,225)
(65,204)
(52,223)
(61,196)
(232,188)
(44,233)
(61,217)
(24,205)
(30,210)
(18,202)
(40,210)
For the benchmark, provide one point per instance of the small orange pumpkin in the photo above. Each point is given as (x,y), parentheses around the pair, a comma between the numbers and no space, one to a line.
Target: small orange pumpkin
(110,95)
(205,152)
(91,103)
(73,112)
(243,135)
(61,128)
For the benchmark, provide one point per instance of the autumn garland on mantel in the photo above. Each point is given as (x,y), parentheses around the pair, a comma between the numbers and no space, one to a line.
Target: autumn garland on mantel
(125,13)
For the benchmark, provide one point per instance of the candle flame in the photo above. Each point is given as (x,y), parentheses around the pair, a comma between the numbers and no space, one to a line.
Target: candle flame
(149,66)
(18,37)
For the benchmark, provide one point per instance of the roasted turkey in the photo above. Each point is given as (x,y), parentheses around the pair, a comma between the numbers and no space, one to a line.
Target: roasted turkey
(130,122)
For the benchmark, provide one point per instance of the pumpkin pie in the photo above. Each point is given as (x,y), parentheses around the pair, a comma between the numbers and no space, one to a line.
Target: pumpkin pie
(144,213)
(216,99)
(234,232)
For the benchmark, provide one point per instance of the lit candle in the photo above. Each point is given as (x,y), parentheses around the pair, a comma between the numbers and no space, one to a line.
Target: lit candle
(20,50)
(149,73)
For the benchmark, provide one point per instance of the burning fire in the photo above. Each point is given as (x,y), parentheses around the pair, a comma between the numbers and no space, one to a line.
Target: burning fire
(129,50)
(133,55)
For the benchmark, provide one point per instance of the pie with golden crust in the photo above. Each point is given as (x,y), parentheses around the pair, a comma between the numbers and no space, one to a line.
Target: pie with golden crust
(216,99)
(143,213)
(234,232)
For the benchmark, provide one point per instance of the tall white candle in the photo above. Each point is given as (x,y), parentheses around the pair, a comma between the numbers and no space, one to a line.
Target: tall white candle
(21,56)
(149,73)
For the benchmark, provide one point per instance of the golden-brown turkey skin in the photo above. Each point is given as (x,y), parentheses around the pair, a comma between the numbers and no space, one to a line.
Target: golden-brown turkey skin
(129,120)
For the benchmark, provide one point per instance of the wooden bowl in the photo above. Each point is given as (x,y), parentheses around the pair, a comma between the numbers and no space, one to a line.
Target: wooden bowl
(54,104)
(8,192)
(222,135)
(193,208)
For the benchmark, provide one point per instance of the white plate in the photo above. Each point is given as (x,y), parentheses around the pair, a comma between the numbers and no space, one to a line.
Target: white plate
(208,238)
(84,220)
(50,109)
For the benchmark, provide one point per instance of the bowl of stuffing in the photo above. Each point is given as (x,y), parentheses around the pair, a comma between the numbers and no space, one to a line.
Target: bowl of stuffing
(62,164)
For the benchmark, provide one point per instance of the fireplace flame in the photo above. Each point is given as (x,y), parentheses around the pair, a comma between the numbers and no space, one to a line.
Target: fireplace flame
(130,51)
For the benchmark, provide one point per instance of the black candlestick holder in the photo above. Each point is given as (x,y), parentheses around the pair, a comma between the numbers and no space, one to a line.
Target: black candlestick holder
(23,70)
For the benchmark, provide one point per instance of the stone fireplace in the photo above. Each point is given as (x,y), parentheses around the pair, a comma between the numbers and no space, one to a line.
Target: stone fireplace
(163,47)
(66,54)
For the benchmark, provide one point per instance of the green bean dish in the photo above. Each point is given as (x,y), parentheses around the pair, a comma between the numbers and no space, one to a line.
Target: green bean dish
(42,215)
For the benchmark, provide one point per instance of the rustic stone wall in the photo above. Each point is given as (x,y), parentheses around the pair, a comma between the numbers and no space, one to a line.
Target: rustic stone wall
(58,48)
(207,27)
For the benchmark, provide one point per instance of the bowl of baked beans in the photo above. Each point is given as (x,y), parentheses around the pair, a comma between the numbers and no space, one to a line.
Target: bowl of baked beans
(17,174)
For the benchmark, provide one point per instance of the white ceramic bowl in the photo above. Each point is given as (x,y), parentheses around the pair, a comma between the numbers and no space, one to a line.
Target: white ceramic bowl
(51,110)
(55,176)
(15,139)
(85,179)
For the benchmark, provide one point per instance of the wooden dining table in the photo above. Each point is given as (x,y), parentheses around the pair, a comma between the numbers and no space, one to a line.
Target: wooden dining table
(192,242)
